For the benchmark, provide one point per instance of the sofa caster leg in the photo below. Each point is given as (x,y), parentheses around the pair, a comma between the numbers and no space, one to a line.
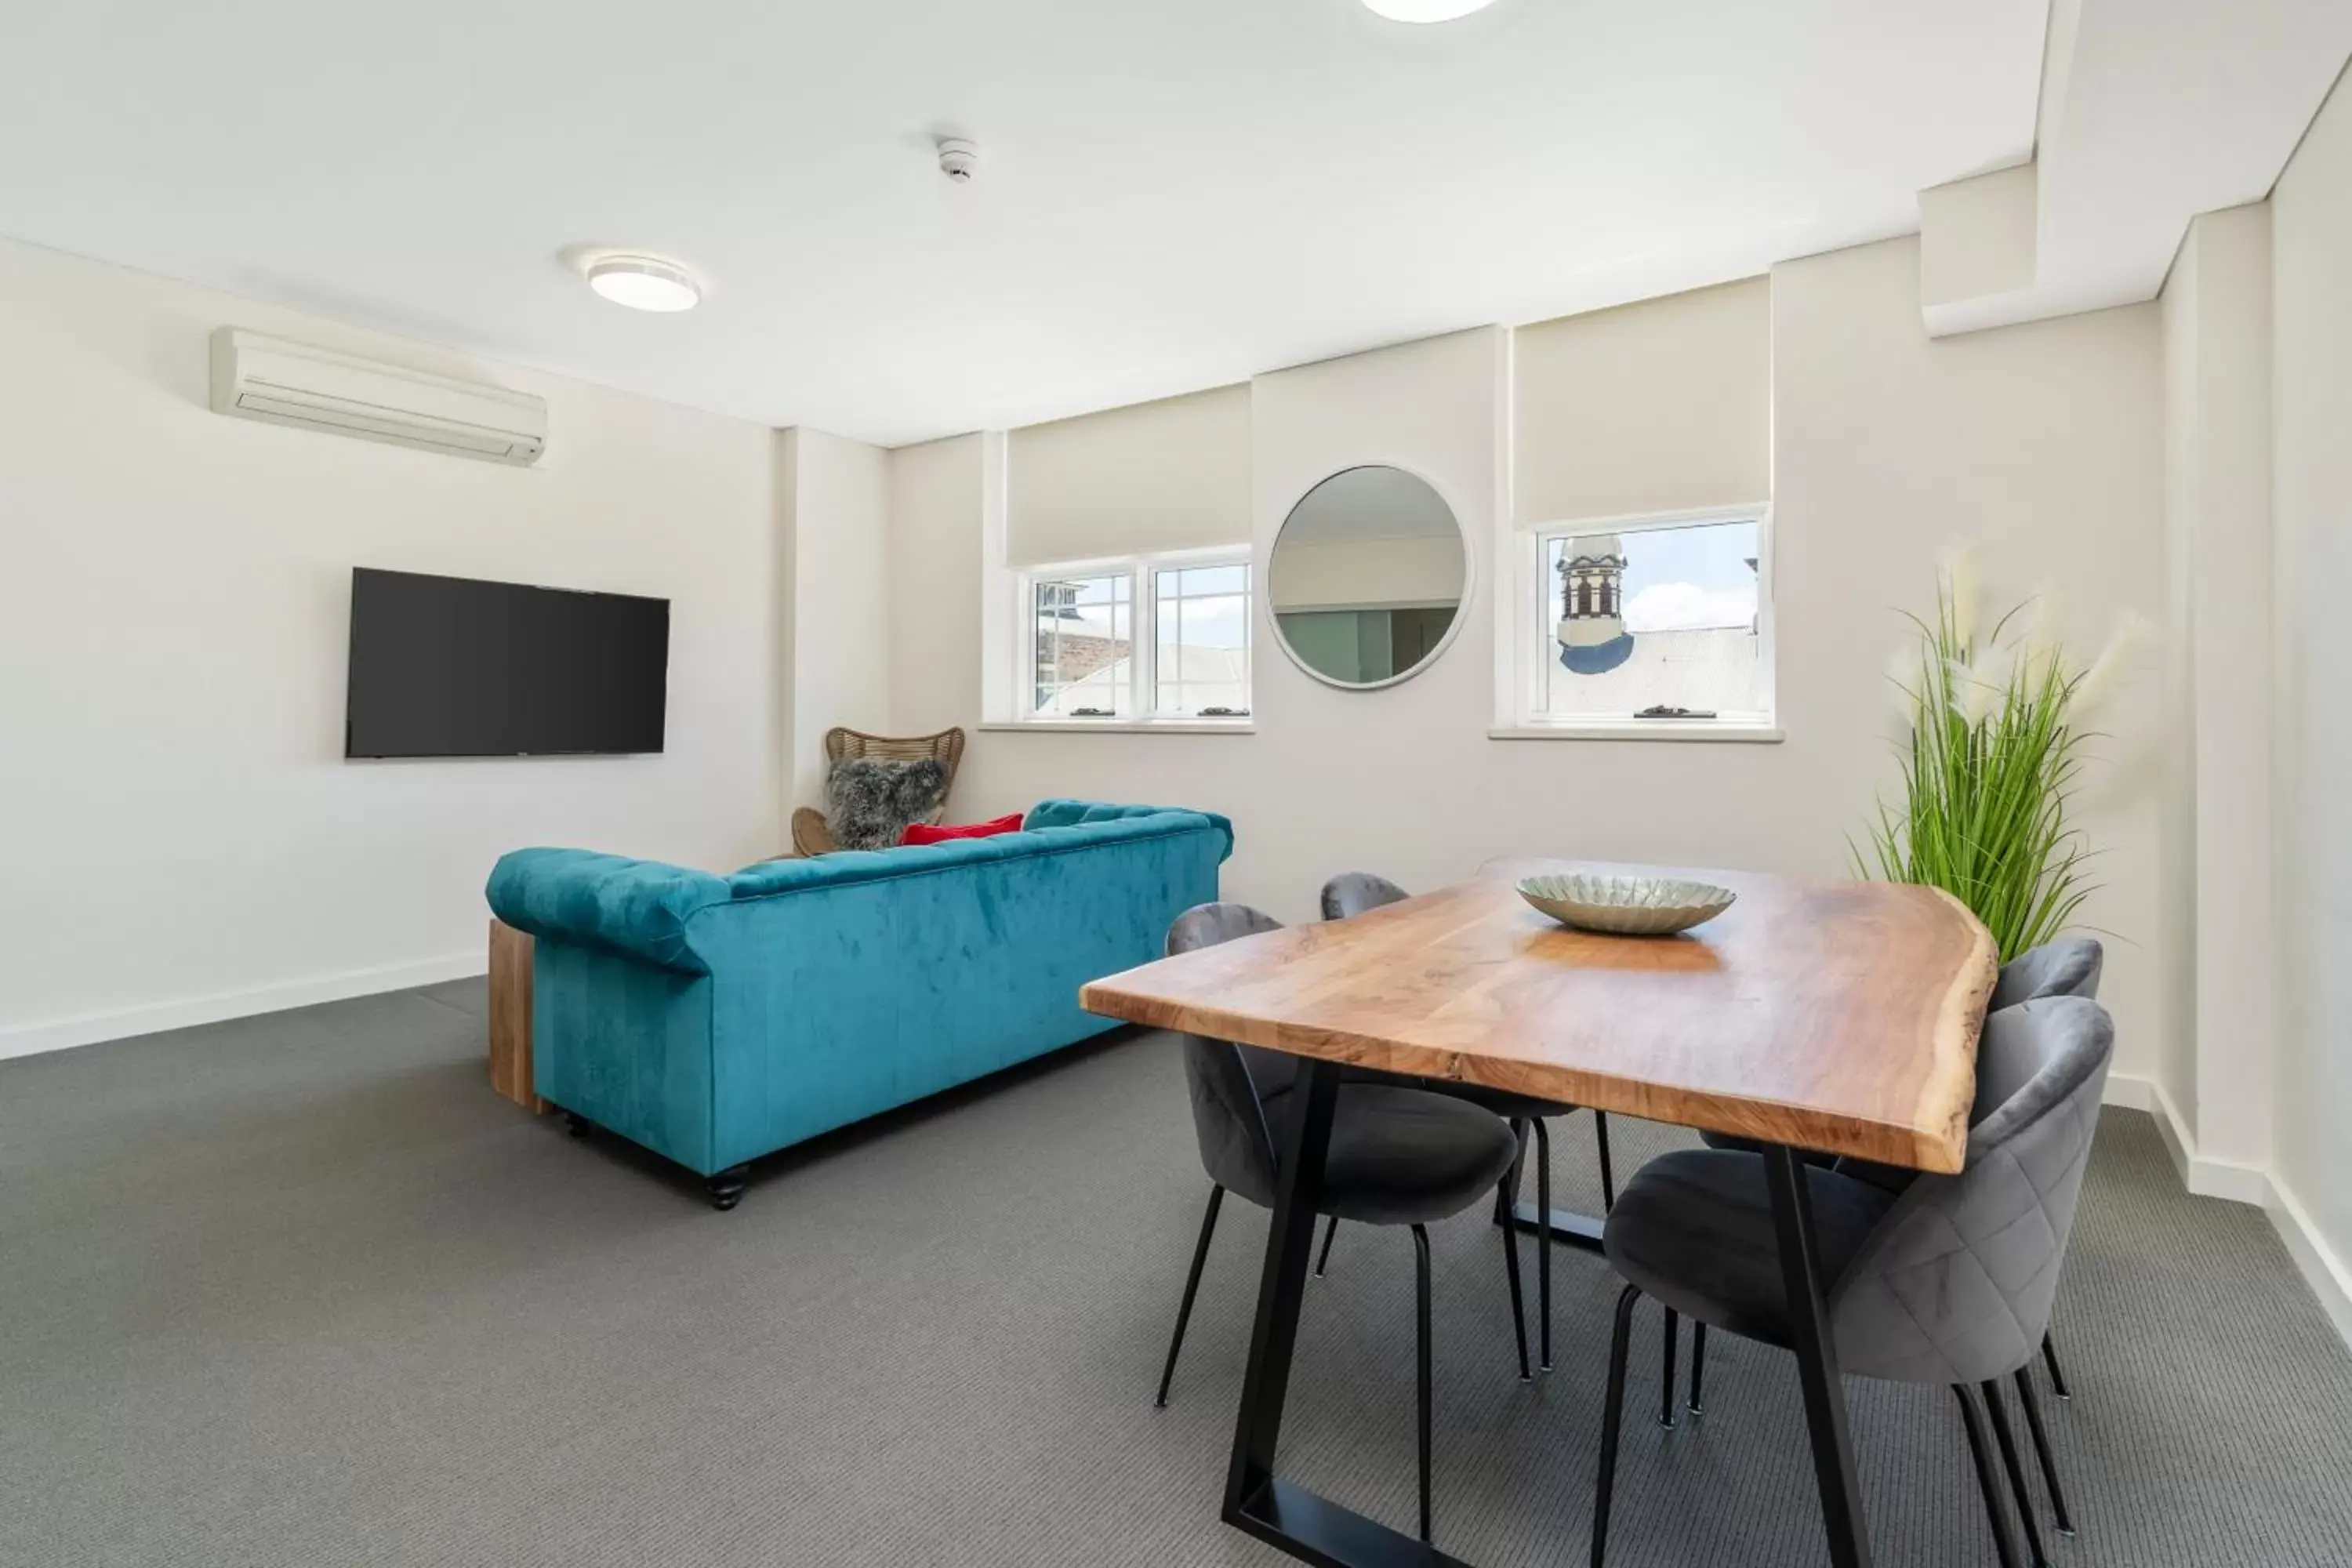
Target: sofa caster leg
(727,1187)
(576,1122)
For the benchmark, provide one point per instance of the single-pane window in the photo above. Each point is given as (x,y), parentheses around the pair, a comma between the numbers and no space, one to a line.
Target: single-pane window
(1663,620)
(1201,617)
(1084,644)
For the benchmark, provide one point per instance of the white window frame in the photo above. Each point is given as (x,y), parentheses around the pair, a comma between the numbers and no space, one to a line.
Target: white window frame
(1148,574)
(1143,686)
(1027,700)
(1525,666)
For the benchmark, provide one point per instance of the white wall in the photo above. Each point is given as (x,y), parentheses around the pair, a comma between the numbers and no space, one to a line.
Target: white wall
(182,835)
(936,492)
(836,493)
(2217,949)
(2312,434)
(2043,440)
(2176,1064)
(2044,443)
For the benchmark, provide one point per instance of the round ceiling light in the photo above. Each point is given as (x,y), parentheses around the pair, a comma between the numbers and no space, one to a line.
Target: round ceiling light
(1426,10)
(644,283)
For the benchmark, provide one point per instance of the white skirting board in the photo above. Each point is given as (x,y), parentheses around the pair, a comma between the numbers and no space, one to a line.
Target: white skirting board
(2330,1280)
(88,1028)
(2322,1270)
(2131,1093)
(2208,1178)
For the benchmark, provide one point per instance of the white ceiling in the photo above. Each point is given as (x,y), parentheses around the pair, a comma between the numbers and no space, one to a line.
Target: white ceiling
(1172,193)
(2166,113)
(2152,112)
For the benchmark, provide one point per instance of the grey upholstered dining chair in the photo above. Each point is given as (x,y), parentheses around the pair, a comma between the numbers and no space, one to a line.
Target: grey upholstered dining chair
(1351,893)
(1949,1281)
(1397,1156)
(2067,967)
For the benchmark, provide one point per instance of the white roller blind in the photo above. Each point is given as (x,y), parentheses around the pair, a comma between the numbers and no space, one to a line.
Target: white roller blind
(1664,405)
(1172,475)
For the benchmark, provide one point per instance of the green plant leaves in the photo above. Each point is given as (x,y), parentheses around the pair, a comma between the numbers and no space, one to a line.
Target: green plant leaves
(1987,780)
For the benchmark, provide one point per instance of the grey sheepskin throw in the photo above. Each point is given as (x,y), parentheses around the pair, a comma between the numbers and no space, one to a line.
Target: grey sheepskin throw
(868,801)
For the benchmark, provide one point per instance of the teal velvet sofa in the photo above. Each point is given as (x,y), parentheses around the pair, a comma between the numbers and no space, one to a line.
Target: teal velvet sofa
(715,1019)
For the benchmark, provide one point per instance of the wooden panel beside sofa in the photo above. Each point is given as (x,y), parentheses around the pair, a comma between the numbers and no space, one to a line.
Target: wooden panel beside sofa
(511,952)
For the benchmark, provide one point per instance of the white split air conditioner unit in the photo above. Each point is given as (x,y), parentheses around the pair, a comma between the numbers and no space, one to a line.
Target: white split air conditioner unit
(256,377)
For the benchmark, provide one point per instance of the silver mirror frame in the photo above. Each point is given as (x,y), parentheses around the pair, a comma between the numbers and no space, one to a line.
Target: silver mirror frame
(1264,569)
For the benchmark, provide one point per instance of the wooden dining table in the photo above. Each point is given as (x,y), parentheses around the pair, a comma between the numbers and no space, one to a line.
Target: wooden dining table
(1837,1018)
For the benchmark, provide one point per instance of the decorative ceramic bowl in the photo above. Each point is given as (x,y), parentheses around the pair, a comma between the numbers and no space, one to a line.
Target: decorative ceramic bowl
(1626,906)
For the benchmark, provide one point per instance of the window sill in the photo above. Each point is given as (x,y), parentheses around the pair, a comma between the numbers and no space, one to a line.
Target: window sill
(1737,731)
(1124,726)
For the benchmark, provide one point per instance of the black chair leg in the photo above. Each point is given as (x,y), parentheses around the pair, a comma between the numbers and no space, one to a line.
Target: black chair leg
(1608,1176)
(1192,1289)
(1666,1370)
(1612,1420)
(1996,1514)
(1330,1233)
(1518,1307)
(1509,1195)
(1420,1359)
(1543,1237)
(1998,1408)
(1698,1365)
(2042,1449)
(2049,1357)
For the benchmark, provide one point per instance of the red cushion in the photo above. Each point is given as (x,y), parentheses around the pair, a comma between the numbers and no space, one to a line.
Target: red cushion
(924,832)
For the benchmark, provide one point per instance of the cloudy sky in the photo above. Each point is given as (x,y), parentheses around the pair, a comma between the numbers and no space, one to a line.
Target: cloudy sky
(1677,579)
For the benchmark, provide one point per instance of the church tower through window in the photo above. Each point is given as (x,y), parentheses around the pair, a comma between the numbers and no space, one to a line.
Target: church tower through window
(1591,630)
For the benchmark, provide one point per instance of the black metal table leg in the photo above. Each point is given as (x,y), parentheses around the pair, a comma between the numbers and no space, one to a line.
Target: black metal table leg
(1568,1228)
(1543,1242)
(1817,1365)
(1257,1502)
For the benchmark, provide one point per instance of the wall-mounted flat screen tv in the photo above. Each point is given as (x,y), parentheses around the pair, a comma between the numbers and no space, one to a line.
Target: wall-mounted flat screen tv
(450,666)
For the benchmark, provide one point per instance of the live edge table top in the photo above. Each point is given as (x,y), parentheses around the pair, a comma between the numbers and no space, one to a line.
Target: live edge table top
(1836,1017)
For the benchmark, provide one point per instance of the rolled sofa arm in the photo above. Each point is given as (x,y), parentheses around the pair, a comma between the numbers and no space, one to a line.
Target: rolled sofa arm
(1078,813)
(630,909)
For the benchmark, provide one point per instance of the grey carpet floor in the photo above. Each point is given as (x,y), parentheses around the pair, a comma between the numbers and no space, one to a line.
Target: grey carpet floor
(298,1290)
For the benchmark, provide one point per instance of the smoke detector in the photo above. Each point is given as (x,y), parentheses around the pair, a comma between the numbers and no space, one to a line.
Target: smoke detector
(958,159)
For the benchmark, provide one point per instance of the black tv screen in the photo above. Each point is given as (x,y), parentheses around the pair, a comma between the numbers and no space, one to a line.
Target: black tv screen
(449,667)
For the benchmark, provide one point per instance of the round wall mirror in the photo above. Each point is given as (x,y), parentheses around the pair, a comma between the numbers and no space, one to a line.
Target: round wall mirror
(1368,578)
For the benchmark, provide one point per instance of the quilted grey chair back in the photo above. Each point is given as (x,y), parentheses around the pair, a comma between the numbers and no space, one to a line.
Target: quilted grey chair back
(1955,1284)
(2067,967)
(1353,892)
(1230,1083)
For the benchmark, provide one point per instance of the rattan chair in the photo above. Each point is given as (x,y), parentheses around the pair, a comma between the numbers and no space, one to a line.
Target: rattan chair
(810,833)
